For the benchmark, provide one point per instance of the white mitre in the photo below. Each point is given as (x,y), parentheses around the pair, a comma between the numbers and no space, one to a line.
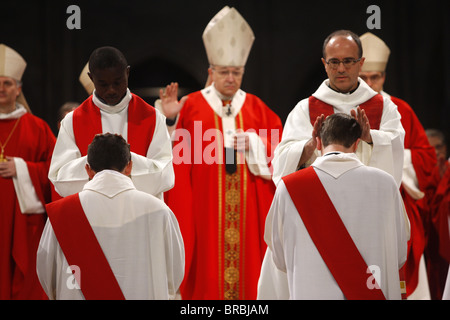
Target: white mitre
(375,52)
(13,65)
(228,39)
(85,80)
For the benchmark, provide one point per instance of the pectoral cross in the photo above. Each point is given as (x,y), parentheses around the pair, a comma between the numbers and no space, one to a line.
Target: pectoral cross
(3,145)
(2,157)
(227,104)
(228,113)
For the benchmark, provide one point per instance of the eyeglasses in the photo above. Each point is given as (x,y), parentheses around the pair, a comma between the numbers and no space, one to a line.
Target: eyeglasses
(225,72)
(347,62)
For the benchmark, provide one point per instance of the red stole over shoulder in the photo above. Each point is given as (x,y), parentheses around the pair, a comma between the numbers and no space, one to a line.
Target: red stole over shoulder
(373,108)
(81,249)
(330,236)
(141,124)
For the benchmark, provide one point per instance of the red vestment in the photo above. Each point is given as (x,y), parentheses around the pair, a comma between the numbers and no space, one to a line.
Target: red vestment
(221,215)
(373,108)
(33,141)
(435,208)
(141,124)
(423,159)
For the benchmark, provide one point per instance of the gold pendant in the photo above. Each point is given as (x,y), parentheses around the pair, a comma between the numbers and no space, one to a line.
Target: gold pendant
(2,158)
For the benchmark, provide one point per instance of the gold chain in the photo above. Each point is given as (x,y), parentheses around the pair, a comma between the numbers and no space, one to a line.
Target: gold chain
(3,146)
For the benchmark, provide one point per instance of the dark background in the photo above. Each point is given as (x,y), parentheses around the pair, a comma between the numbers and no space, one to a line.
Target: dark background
(162,42)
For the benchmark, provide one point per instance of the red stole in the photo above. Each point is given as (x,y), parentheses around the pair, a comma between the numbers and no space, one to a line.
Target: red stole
(141,124)
(330,236)
(81,248)
(373,108)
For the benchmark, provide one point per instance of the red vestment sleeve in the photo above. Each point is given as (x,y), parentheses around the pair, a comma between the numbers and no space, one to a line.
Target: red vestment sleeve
(423,159)
(34,143)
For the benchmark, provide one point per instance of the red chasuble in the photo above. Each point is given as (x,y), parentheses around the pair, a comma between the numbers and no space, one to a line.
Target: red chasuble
(330,236)
(33,141)
(81,248)
(141,124)
(221,215)
(435,209)
(423,159)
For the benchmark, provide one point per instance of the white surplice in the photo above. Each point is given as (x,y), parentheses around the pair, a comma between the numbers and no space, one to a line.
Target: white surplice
(370,206)
(138,234)
(152,174)
(446,294)
(386,153)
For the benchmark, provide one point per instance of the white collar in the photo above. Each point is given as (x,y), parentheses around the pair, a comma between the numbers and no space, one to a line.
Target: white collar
(385,94)
(112,109)
(337,164)
(343,101)
(16,114)
(109,183)
(212,97)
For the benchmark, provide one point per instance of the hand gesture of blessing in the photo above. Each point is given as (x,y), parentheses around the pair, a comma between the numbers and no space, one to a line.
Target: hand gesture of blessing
(169,100)
(361,117)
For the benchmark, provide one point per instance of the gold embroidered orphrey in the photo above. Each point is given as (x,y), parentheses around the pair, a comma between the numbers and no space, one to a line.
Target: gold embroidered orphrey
(231,215)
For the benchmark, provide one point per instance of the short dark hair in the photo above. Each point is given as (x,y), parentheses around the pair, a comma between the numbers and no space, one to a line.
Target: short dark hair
(107,57)
(340,128)
(65,108)
(108,152)
(344,33)
(436,133)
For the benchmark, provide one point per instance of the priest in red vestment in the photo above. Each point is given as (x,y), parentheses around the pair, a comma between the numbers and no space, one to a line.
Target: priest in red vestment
(113,108)
(419,160)
(223,143)
(26,143)
(436,204)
